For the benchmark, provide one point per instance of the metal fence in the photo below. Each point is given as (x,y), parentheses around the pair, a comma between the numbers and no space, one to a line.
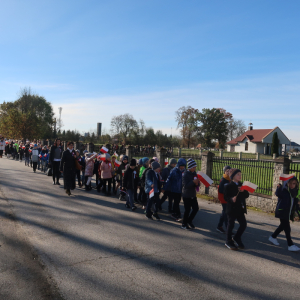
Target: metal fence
(295,168)
(258,172)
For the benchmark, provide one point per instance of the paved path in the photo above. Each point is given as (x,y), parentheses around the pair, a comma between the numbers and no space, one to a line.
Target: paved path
(88,246)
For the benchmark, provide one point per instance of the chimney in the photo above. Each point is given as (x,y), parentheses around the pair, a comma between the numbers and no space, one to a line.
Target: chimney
(250,126)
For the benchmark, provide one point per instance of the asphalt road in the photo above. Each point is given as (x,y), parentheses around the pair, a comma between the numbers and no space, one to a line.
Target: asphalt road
(88,246)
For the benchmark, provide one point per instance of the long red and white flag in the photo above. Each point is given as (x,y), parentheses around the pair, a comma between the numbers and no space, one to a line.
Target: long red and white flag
(207,181)
(104,150)
(248,186)
(117,163)
(151,193)
(285,177)
(166,162)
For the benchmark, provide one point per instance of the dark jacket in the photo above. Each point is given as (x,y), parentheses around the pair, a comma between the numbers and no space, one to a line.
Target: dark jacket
(51,157)
(239,207)
(67,165)
(188,186)
(152,178)
(283,208)
(174,181)
(165,174)
(131,179)
(120,169)
(223,182)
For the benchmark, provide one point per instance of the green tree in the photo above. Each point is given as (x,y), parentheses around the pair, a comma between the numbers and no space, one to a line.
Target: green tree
(29,117)
(275,144)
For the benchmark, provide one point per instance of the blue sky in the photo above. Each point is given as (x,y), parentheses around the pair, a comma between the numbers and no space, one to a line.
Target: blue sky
(97,59)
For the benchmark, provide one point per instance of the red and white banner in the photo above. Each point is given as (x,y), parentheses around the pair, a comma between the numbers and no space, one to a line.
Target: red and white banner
(45,155)
(204,179)
(104,150)
(248,186)
(116,154)
(166,162)
(285,177)
(117,163)
(40,156)
(151,193)
(102,157)
(23,147)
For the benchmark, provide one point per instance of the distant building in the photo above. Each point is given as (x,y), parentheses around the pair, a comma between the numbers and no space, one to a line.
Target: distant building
(292,146)
(86,134)
(258,141)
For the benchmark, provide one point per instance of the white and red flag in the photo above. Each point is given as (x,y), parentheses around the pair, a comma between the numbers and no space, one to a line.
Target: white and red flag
(116,154)
(102,157)
(151,193)
(248,186)
(40,156)
(204,179)
(104,150)
(117,163)
(285,177)
(166,162)
(45,155)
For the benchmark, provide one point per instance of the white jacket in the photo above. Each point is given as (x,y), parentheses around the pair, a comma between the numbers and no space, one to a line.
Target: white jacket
(2,145)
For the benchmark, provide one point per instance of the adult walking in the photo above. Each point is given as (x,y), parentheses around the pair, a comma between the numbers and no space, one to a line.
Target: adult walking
(2,146)
(68,168)
(55,159)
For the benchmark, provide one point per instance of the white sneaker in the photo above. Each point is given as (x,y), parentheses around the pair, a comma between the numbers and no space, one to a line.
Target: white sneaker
(293,248)
(273,241)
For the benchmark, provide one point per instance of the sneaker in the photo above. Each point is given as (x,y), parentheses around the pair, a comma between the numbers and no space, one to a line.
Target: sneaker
(230,245)
(238,243)
(175,217)
(191,225)
(293,248)
(133,208)
(148,217)
(127,205)
(221,230)
(156,216)
(273,241)
(186,227)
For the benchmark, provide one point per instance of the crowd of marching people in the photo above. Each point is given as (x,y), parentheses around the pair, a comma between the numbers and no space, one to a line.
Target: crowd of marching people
(147,183)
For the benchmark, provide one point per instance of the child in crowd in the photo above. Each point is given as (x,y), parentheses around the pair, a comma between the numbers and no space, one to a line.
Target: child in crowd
(167,192)
(35,157)
(106,174)
(174,183)
(223,182)
(236,209)
(190,182)
(285,210)
(78,158)
(130,183)
(89,170)
(114,173)
(153,183)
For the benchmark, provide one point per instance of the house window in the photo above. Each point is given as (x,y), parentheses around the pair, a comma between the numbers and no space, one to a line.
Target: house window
(246,146)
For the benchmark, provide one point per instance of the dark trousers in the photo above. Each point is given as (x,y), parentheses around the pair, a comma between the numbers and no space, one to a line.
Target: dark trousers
(176,209)
(284,226)
(108,181)
(150,201)
(223,217)
(34,165)
(190,204)
(55,170)
(78,177)
(243,225)
(21,156)
(142,196)
(167,194)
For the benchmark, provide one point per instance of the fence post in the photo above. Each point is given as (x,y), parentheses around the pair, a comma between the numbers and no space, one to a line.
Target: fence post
(179,152)
(206,168)
(90,147)
(65,145)
(129,152)
(76,145)
(274,155)
(290,156)
(221,154)
(240,155)
(281,165)
(257,156)
(200,152)
(161,154)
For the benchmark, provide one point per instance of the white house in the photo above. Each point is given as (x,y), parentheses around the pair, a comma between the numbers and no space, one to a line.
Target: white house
(258,141)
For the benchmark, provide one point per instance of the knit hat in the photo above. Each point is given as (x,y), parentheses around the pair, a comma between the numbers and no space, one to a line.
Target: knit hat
(172,161)
(133,163)
(140,162)
(125,157)
(35,145)
(85,151)
(155,165)
(181,162)
(145,160)
(234,172)
(226,168)
(191,163)
(107,156)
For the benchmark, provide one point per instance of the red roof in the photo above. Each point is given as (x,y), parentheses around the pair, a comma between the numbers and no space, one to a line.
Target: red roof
(254,135)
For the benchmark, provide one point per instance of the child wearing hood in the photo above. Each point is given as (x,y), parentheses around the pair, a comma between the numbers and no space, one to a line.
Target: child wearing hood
(223,182)
(287,205)
(174,183)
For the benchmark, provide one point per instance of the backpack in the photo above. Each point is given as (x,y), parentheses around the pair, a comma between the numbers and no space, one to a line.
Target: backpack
(143,178)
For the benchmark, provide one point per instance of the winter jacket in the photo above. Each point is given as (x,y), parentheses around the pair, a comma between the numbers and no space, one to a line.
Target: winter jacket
(165,174)
(223,182)
(174,181)
(51,157)
(131,179)
(35,155)
(106,170)
(152,178)
(239,207)
(89,165)
(2,145)
(286,205)
(188,186)
(141,171)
